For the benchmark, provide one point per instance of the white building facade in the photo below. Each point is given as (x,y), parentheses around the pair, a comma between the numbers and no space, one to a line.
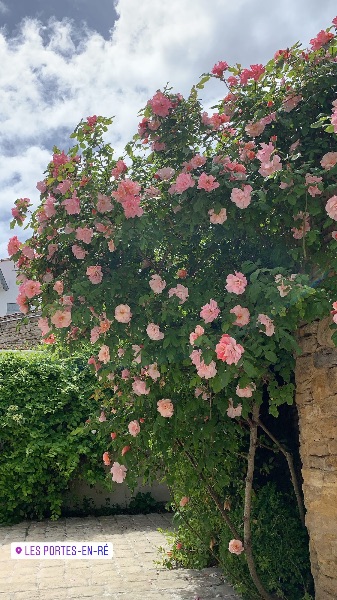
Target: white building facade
(8,288)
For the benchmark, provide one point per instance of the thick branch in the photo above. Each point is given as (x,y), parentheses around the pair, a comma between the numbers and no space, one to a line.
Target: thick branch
(248,504)
(293,476)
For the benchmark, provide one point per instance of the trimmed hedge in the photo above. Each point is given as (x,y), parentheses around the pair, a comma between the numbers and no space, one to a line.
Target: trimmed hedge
(44,403)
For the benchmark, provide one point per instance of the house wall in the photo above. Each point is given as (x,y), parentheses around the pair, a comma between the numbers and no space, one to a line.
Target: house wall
(10,295)
(316,399)
(14,338)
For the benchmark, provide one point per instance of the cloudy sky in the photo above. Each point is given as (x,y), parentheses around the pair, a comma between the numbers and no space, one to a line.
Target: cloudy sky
(62,60)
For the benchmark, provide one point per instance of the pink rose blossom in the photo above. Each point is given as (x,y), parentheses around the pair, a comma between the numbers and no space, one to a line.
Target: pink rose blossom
(247,391)
(132,207)
(228,350)
(126,189)
(207,371)
(104,354)
(49,207)
(165,408)
(242,198)
(329,160)
(196,334)
(331,208)
(321,39)
(242,315)
(233,412)
(78,252)
(152,371)
(185,500)
(125,450)
(180,291)
(95,274)
(102,417)
(43,324)
(31,288)
(217,218)
(118,472)
(119,169)
(125,374)
(195,357)
(41,186)
(58,287)
(52,248)
(160,104)
(183,182)
(269,324)
(72,205)
(84,234)
(64,186)
(219,68)
(154,332)
(106,459)
(134,428)
(255,129)
(207,182)
(139,387)
(235,547)
(197,161)
(14,245)
(210,311)
(157,284)
(61,318)
(123,313)
(166,173)
(236,284)
(103,203)
(94,334)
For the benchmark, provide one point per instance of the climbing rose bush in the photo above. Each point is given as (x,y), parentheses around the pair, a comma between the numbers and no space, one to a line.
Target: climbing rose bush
(240,202)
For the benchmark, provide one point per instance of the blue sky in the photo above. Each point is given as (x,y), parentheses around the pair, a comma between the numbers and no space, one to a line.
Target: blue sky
(62,60)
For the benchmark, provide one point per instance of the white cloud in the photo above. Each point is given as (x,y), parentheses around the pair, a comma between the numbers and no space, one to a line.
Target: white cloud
(52,76)
(3,8)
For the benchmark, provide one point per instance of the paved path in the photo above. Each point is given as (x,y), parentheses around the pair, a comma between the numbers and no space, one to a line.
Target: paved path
(129,575)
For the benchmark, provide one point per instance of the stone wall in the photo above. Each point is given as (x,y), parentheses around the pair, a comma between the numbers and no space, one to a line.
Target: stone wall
(13,338)
(316,399)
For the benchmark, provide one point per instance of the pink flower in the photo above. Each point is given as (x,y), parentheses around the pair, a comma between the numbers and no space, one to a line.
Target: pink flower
(321,39)
(255,129)
(196,333)
(197,161)
(14,245)
(160,104)
(180,291)
(106,459)
(103,203)
(58,287)
(157,284)
(64,186)
(210,311)
(334,120)
(165,173)
(118,472)
(154,332)
(153,372)
(95,274)
(102,417)
(78,252)
(217,218)
(104,354)
(125,450)
(300,232)
(313,189)
(111,245)
(31,288)
(123,313)
(331,208)
(207,371)
(134,428)
(235,547)
(72,205)
(185,500)
(165,408)
(195,357)
(61,318)
(242,315)
(329,160)
(94,334)
(269,324)
(271,167)
(228,350)
(207,182)
(125,374)
(236,284)
(219,68)
(49,208)
(290,102)
(132,207)
(41,186)
(84,234)
(233,412)
(183,182)
(139,387)
(52,248)
(247,391)
(43,324)
(242,198)
(119,169)
(126,188)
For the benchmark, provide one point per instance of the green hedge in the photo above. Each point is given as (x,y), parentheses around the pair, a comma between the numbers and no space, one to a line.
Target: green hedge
(44,403)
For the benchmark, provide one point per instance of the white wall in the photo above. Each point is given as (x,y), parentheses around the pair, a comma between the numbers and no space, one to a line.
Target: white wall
(10,295)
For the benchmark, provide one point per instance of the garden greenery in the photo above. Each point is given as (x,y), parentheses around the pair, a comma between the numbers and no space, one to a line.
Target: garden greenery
(190,261)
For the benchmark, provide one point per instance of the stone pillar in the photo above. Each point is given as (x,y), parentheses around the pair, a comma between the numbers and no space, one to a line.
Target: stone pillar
(316,399)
